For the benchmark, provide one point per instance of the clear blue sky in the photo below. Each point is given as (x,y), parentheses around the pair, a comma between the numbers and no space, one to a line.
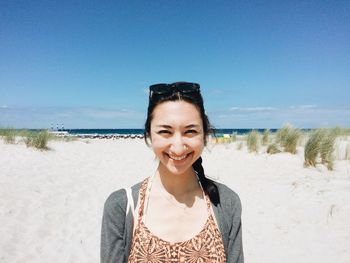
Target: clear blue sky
(88,64)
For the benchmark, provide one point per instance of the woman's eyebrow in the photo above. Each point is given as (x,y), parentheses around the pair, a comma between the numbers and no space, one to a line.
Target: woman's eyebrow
(164,126)
(192,126)
(169,127)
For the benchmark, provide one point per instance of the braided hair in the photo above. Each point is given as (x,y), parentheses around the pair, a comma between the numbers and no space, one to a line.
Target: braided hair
(208,185)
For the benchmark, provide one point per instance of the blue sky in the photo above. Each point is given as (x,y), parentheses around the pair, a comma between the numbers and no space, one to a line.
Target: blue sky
(88,64)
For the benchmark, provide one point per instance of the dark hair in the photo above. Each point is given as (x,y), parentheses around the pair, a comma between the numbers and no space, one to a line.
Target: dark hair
(195,99)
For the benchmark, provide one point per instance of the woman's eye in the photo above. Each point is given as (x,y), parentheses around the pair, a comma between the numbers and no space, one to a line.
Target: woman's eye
(191,131)
(163,131)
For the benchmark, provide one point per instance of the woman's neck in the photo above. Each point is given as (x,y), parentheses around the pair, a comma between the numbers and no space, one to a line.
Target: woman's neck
(177,184)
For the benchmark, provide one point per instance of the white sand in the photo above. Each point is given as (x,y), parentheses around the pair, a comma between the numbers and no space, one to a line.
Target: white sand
(51,202)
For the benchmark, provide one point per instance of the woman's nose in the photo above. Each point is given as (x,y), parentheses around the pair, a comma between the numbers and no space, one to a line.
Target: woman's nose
(177,145)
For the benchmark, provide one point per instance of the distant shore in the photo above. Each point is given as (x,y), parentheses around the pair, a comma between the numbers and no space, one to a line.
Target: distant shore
(138,133)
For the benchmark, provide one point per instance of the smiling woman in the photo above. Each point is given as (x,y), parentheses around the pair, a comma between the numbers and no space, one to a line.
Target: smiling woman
(182,216)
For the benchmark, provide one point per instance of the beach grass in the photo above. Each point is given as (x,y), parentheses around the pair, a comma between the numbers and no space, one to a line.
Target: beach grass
(288,138)
(253,141)
(281,134)
(291,141)
(273,149)
(32,138)
(266,137)
(340,132)
(320,144)
(327,148)
(312,147)
(38,139)
(9,135)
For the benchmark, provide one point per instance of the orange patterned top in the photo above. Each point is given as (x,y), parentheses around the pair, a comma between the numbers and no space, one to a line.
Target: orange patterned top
(206,246)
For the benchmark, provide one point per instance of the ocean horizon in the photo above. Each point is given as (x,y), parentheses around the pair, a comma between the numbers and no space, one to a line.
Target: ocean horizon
(240,131)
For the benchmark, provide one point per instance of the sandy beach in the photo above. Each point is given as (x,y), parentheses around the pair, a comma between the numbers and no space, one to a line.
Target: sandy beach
(51,201)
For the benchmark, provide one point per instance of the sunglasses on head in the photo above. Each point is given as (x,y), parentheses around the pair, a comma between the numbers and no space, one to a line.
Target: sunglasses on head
(168,89)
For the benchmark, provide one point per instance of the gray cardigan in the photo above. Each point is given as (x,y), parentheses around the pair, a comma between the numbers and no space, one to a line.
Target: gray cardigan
(117,228)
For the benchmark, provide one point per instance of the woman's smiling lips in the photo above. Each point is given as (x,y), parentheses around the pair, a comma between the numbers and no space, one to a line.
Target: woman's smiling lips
(178,158)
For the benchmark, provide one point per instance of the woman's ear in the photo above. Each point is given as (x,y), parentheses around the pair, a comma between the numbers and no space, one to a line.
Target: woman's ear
(149,141)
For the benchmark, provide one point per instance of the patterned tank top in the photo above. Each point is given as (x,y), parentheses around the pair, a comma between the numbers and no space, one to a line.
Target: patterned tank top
(206,246)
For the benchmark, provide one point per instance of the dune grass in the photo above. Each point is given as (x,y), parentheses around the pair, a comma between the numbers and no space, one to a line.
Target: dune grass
(253,141)
(9,135)
(273,149)
(37,139)
(320,144)
(32,138)
(312,147)
(288,138)
(291,141)
(340,132)
(327,148)
(282,133)
(266,137)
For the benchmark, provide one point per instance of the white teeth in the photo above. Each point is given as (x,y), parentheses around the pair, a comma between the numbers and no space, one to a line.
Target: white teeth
(178,158)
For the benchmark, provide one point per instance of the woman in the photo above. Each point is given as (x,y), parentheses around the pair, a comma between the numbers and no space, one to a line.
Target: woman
(180,216)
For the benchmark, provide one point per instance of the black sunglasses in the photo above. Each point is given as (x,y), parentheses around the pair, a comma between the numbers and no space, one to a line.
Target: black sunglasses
(168,89)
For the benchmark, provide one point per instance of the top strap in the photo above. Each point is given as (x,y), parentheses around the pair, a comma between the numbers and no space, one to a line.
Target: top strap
(143,190)
(130,204)
(206,198)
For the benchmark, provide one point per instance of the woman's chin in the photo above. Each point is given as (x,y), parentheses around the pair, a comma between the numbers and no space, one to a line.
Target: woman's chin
(177,170)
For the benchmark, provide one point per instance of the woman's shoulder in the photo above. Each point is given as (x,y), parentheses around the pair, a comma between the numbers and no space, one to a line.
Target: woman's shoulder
(119,197)
(116,199)
(228,197)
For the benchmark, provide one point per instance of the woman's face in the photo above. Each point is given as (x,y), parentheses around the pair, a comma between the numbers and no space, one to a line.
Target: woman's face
(177,135)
